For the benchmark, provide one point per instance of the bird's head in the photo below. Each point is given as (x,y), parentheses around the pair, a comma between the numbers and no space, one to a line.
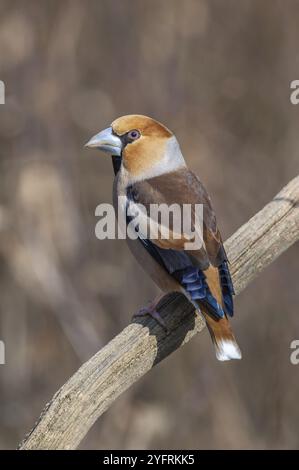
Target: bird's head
(146,147)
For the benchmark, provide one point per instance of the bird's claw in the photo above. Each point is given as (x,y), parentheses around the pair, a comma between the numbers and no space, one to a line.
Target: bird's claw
(153,313)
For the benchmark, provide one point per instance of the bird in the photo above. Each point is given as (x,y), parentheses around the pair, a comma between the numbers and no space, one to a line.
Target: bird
(150,170)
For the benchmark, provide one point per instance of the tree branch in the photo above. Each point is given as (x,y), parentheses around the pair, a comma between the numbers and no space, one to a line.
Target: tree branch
(142,344)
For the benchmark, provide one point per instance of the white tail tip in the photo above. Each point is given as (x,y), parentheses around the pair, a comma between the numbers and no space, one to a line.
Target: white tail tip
(227,350)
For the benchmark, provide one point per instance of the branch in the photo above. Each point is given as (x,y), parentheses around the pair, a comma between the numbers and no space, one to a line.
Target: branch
(142,344)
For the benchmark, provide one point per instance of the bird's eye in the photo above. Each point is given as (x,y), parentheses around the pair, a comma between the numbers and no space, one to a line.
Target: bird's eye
(133,135)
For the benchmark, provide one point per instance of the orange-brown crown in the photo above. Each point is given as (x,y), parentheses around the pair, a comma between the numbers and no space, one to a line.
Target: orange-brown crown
(144,124)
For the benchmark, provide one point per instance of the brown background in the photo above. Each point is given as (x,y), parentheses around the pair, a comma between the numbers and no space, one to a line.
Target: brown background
(218,74)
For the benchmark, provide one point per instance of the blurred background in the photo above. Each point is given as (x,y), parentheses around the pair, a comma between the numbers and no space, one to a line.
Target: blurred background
(218,74)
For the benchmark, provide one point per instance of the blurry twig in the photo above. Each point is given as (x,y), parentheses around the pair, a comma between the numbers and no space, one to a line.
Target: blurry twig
(95,386)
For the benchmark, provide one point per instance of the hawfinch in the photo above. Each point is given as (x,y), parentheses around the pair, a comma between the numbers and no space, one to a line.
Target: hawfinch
(150,169)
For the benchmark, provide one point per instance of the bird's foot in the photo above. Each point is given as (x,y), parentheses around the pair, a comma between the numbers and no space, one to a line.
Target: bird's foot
(152,311)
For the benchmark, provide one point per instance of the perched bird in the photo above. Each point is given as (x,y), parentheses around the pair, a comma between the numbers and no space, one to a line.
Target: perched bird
(150,169)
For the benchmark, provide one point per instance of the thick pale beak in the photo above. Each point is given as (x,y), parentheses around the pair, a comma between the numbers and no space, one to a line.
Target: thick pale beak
(106,141)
